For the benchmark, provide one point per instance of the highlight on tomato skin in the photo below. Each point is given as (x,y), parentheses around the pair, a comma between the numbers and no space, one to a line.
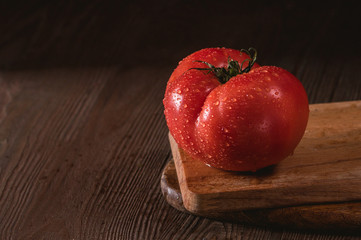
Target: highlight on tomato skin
(224,109)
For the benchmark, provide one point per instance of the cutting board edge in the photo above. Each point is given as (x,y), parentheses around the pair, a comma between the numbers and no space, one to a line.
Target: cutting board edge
(334,105)
(190,199)
(203,203)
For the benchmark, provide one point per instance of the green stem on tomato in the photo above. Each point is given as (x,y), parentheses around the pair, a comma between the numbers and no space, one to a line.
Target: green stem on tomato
(233,68)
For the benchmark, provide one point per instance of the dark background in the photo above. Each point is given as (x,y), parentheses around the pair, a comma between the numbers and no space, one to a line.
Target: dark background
(300,36)
(86,80)
(133,33)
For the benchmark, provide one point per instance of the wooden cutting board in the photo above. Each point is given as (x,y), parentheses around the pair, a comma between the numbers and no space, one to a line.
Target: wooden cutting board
(342,217)
(325,169)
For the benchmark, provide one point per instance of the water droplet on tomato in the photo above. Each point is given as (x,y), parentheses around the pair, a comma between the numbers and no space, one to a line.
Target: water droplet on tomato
(250,96)
(229,107)
(225,130)
(179,91)
(216,103)
(185,105)
(209,156)
(234,100)
(186,89)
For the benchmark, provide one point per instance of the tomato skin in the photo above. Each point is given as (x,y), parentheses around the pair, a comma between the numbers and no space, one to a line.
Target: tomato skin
(254,120)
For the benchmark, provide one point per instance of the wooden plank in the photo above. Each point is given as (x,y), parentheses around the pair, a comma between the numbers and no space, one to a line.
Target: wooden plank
(326,167)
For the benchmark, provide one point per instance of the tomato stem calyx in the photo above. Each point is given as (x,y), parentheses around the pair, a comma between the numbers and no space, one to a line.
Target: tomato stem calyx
(233,68)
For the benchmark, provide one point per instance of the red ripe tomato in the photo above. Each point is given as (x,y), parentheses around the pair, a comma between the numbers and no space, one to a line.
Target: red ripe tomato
(234,116)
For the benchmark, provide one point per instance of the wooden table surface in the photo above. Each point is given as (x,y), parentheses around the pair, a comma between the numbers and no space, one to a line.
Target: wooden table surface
(83,139)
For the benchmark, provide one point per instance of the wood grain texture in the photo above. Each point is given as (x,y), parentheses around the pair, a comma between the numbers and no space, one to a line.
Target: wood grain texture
(341,217)
(83,140)
(325,168)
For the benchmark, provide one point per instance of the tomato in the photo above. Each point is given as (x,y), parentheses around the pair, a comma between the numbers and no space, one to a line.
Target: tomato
(226,110)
